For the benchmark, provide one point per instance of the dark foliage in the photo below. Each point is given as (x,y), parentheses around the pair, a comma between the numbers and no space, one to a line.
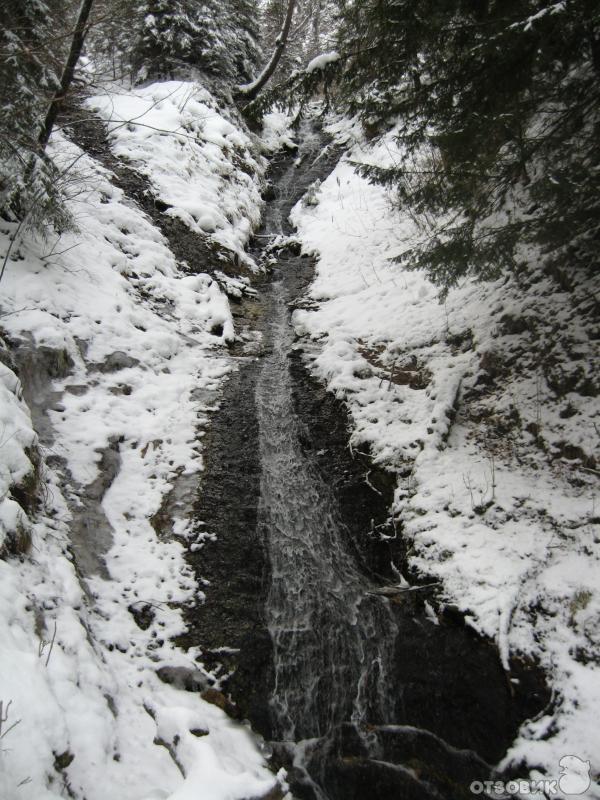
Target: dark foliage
(218,38)
(28,178)
(496,104)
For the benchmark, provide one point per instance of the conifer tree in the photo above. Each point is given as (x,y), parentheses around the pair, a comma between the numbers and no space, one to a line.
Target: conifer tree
(27,84)
(498,107)
(311,34)
(252,89)
(66,79)
(171,38)
(241,39)
(215,37)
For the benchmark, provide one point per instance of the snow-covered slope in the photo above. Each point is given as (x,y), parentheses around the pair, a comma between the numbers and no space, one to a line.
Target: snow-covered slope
(486,407)
(126,350)
(199,163)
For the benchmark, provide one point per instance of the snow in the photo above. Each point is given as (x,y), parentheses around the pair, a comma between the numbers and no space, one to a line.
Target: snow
(276,132)
(489,501)
(145,344)
(321,61)
(199,163)
(495,506)
(556,8)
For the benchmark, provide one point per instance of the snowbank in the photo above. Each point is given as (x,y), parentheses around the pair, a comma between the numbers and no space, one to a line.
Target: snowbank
(126,352)
(200,164)
(276,133)
(485,408)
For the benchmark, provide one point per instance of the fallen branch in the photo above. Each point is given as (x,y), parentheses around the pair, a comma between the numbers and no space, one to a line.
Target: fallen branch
(392,591)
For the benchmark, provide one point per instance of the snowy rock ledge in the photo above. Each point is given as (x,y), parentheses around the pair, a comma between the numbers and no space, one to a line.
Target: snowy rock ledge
(201,165)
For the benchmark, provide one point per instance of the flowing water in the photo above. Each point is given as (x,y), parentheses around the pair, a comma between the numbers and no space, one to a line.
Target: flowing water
(373,701)
(333,641)
(362,697)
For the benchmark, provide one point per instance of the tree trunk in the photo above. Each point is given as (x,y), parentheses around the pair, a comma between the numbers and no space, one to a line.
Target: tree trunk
(316,31)
(251,90)
(68,72)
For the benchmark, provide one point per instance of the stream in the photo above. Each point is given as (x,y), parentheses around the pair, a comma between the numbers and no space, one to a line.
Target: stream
(333,642)
(359,695)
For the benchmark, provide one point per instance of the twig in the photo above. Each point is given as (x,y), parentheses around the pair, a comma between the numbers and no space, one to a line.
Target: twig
(4,718)
(51,644)
(393,590)
(17,311)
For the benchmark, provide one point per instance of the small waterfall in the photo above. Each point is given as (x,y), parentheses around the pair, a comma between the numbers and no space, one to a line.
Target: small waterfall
(367,696)
(333,641)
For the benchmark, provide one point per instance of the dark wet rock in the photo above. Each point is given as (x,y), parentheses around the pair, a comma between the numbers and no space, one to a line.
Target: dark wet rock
(572,452)
(91,532)
(394,761)
(115,362)
(16,542)
(291,246)
(162,519)
(121,389)
(452,615)
(269,192)
(276,793)
(29,491)
(359,778)
(57,362)
(161,206)
(364,493)
(234,564)
(37,368)
(143,614)
(185,678)
(76,389)
(452,684)
(6,357)
(63,760)
(217,698)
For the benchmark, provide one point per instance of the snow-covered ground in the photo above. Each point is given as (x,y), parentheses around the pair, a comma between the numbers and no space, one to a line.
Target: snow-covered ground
(198,161)
(486,407)
(128,352)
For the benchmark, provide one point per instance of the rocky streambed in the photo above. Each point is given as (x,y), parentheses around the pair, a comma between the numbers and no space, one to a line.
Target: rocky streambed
(357,690)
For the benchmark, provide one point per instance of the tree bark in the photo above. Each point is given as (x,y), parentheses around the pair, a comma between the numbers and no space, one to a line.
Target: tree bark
(68,72)
(251,90)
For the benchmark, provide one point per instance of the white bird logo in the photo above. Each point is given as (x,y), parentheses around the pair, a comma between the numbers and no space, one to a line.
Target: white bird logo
(574,775)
